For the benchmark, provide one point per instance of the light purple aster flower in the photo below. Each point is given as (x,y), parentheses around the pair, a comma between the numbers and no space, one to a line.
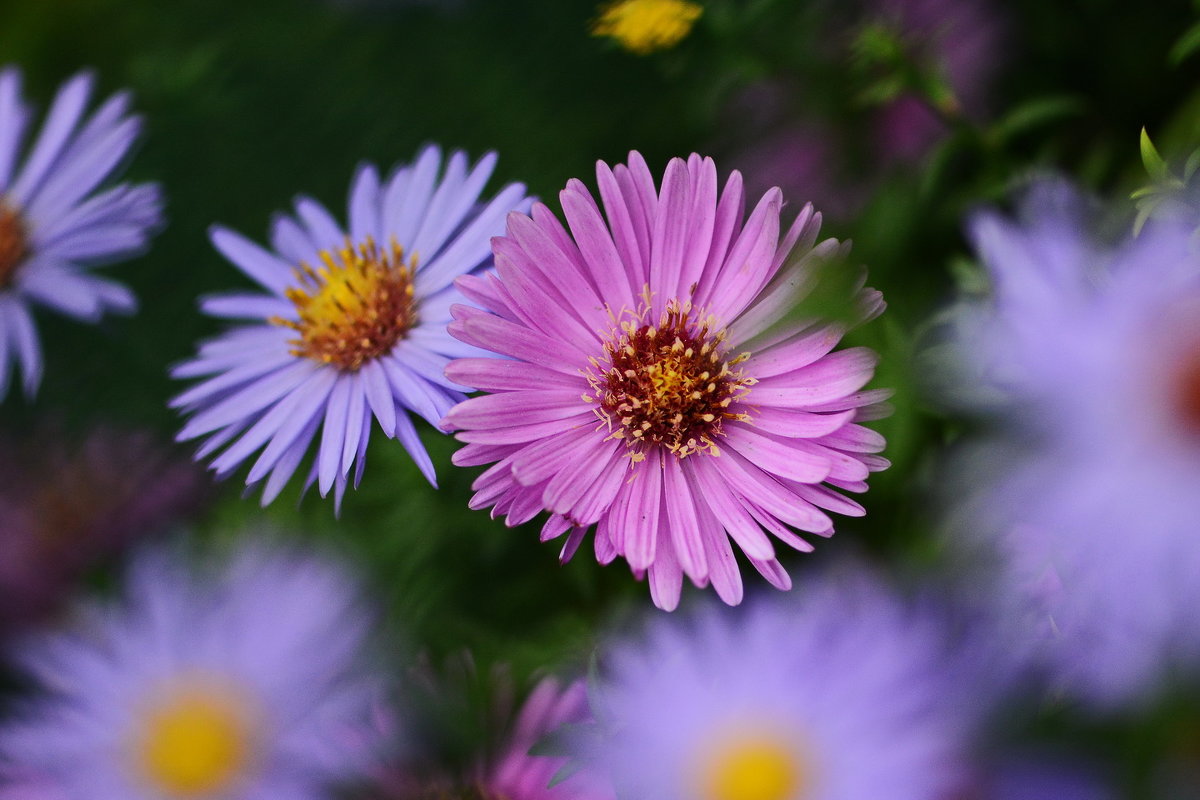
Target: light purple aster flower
(55,228)
(1092,515)
(353,324)
(656,382)
(836,694)
(193,686)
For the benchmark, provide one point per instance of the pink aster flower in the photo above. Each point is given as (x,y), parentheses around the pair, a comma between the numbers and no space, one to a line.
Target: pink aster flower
(518,774)
(656,383)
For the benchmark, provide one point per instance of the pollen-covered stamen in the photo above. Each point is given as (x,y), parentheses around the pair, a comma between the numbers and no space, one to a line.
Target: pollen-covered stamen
(13,244)
(669,384)
(355,306)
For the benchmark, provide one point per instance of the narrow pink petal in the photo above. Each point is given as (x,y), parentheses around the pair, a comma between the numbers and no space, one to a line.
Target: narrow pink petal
(713,488)
(501,336)
(794,424)
(497,374)
(598,249)
(701,224)
(748,266)
(796,351)
(730,210)
(670,236)
(624,234)
(666,577)
(683,525)
(526,406)
(641,519)
(788,460)
(833,376)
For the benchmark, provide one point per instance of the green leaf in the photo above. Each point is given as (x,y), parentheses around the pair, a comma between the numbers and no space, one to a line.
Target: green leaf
(1184,46)
(1156,168)
(1036,113)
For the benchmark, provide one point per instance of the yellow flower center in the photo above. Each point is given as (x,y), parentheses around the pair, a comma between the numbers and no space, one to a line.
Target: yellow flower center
(643,26)
(354,307)
(13,242)
(194,742)
(753,768)
(668,384)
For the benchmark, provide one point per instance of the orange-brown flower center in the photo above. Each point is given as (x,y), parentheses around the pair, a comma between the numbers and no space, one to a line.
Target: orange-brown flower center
(669,384)
(13,244)
(1187,394)
(353,308)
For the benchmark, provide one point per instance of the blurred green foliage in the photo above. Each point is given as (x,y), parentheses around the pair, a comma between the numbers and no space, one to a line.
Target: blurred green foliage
(248,104)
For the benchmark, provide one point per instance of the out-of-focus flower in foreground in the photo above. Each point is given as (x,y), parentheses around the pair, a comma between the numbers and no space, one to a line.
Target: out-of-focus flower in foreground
(656,382)
(644,26)
(55,228)
(516,774)
(835,694)
(957,44)
(353,324)
(503,768)
(242,681)
(65,506)
(1098,350)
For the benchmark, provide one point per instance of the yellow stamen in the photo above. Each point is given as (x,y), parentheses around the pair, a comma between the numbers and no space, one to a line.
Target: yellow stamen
(643,26)
(194,741)
(353,308)
(13,244)
(756,767)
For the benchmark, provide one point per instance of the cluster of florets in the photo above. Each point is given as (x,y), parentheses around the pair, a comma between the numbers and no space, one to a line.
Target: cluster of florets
(668,384)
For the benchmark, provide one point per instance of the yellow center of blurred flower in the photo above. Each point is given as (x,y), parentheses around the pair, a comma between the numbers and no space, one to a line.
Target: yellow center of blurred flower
(643,26)
(753,768)
(12,244)
(354,307)
(194,742)
(668,384)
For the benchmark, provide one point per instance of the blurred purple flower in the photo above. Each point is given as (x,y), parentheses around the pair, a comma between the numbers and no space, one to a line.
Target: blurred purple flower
(353,324)
(54,227)
(516,774)
(241,681)
(66,506)
(504,769)
(959,40)
(835,694)
(1092,512)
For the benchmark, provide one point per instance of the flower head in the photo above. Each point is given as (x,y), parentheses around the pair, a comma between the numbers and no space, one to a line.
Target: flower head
(835,695)
(352,325)
(193,687)
(656,382)
(644,26)
(517,774)
(65,506)
(1092,521)
(55,228)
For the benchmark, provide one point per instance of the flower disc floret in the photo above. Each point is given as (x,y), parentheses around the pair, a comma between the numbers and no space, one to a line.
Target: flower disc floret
(353,308)
(13,244)
(669,384)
